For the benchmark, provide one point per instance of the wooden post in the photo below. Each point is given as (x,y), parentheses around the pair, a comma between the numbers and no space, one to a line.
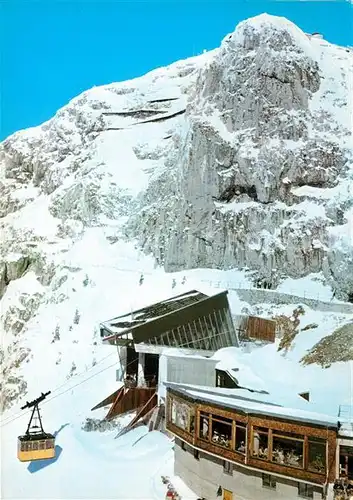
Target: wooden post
(270,445)
(250,438)
(210,428)
(306,452)
(233,435)
(247,445)
(197,424)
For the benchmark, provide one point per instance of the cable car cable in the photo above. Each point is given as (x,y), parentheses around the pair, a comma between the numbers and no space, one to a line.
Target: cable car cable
(10,417)
(62,385)
(61,393)
(104,369)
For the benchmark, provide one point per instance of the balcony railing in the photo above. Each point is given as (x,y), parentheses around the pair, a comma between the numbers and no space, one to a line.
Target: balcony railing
(345,412)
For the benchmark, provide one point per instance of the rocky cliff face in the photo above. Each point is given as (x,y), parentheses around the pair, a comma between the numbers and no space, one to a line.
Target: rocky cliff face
(84,169)
(264,177)
(240,157)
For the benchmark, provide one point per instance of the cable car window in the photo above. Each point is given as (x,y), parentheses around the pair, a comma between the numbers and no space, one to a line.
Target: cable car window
(49,444)
(42,445)
(35,446)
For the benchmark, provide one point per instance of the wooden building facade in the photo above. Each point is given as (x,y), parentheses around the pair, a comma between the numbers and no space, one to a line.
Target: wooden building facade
(286,447)
(261,329)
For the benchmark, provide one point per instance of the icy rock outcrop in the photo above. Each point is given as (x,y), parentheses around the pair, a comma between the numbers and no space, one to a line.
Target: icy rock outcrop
(19,303)
(13,268)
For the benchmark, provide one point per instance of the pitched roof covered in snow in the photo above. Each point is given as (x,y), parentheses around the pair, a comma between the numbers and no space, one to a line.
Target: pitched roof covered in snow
(192,319)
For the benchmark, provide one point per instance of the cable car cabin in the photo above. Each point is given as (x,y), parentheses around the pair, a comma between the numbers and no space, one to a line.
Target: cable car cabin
(35,444)
(35,447)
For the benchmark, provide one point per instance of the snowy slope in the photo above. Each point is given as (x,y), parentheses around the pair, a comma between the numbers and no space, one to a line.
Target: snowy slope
(108,462)
(89,464)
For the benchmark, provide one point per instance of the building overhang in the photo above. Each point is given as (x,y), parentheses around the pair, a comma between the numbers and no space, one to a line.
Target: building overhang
(162,349)
(191,319)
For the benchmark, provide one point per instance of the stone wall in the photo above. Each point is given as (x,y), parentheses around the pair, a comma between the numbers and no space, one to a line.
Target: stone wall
(258,296)
(255,296)
(205,474)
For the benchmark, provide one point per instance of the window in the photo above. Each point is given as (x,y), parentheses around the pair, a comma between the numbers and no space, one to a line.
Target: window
(204,426)
(183,445)
(288,449)
(260,443)
(35,446)
(173,408)
(268,481)
(25,446)
(220,379)
(183,415)
(317,455)
(41,445)
(240,438)
(49,444)
(305,490)
(192,421)
(223,379)
(227,467)
(346,462)
(196,454)
(221,431)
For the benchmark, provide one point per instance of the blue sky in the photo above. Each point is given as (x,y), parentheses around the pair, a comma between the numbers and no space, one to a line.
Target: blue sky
(51,50)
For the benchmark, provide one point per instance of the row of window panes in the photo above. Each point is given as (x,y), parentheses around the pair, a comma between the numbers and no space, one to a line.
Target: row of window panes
(304,490)
(37,445)
(269,481)
(219,432)
(286,450)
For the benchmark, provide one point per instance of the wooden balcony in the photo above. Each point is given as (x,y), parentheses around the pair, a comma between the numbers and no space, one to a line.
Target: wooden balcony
(127,399)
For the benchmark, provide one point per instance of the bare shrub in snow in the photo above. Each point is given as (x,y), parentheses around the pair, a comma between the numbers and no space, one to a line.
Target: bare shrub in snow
(56,334)
(77,317)
(72,370)
(333,348)
(287,328)
(94,424)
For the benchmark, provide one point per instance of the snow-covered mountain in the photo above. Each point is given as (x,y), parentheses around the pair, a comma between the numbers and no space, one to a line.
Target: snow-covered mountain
(229,167)
(238,158)
(263,175)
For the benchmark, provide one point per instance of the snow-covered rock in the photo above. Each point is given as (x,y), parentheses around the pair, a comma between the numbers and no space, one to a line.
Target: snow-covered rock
(267,117)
